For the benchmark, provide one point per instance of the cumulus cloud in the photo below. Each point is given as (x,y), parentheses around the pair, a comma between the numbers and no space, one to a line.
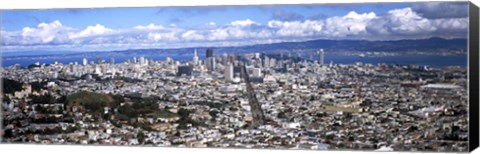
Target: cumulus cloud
(163,36)
(350,24)
(91,31)
(44,33)
(401,22)
(149,27)
(192,35)
(218,34)
(435,10)
(246,22)
(404,23)
(296,28)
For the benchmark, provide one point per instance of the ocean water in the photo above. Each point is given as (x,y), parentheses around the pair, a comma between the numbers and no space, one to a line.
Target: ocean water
(432,61)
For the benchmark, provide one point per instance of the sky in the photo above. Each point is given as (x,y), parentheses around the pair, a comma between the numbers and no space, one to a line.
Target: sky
(106,29)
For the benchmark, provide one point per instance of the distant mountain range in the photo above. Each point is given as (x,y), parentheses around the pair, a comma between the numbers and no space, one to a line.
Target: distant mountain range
(434,44)
(425,45)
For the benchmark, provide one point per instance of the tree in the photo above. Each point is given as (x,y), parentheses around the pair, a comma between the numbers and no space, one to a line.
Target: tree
(281,115)
(141,137)
(11,86)
(43,99)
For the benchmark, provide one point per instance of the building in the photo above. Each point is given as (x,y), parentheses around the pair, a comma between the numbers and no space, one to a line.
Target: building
(142,60)
(210,61)
(195,57)
(169,60)
(228,72)
(256,72)
(85,61)
(209,53)
(184,70)
(321,53)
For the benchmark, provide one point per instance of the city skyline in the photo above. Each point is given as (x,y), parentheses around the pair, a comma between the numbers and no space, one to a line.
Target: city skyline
(377,76)
(162,27)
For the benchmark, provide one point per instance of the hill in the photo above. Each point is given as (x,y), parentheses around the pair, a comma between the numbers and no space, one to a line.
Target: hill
(93,102)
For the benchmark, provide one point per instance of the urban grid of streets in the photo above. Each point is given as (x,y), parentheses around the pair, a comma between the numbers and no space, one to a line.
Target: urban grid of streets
(203,103)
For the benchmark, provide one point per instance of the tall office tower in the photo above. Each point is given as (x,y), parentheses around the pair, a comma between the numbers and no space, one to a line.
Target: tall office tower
(135,60)
(210,61)
(321,56)
(85,61)
(212,64)
(112,60)
(257,72)
(209,53)
(195,57)
(72,68)
(273,62)
(169,60)
(266,62)
(225,59)
(142,60)
(99,60)
(228,72)
(285,67)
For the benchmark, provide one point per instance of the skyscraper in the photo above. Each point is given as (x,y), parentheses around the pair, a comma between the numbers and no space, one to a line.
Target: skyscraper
(257,72)
(210,61)
(209,53)
(195,57)
(85,61)
(142,60)
(212,64)
(321,53)
(228,72)
(169,60)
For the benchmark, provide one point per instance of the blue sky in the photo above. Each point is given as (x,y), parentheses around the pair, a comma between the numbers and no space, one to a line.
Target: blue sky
(173,27)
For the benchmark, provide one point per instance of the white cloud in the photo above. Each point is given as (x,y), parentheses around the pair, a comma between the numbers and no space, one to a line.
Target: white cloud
(149,27)
(402,23)
(350,24)
(405,23)
(91,31)
(451,24)
(192,35)
(217,34)
(43,33)
(296,28)
(163,36)
(242,23)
